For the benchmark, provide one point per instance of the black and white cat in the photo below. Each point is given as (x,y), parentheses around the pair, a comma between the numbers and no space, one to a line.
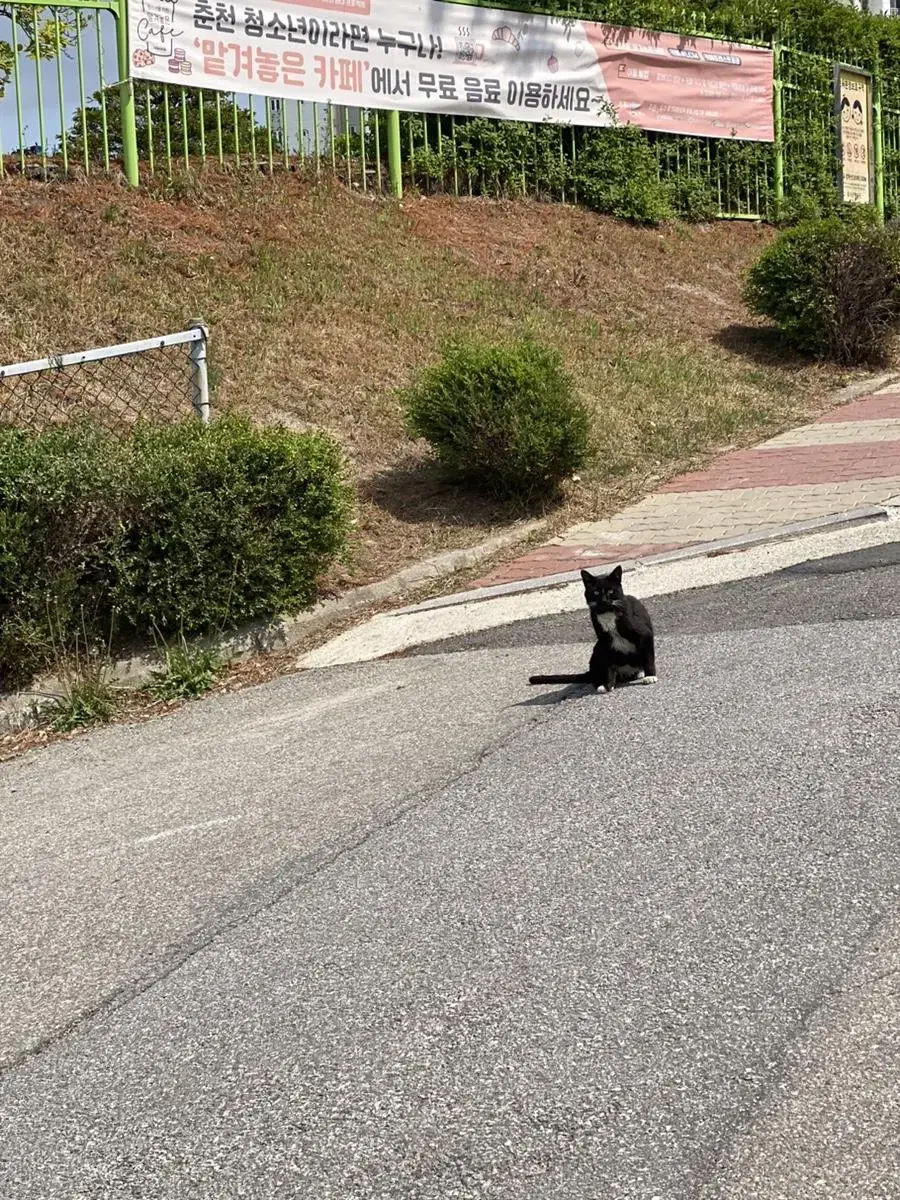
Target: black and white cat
(624,652)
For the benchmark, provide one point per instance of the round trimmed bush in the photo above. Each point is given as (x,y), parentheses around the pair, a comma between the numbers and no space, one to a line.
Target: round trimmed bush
(502,416)
(226,523)
(832,286)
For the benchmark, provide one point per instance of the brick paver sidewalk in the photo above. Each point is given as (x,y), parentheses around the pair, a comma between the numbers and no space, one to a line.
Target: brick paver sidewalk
(850,458)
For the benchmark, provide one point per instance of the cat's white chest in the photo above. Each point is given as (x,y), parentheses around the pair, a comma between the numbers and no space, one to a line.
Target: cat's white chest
(607,622)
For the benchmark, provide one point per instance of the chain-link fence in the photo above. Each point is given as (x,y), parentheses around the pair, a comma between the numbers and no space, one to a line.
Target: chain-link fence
(161,380)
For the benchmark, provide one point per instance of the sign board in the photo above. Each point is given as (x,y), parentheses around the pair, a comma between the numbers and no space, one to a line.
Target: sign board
(431,56)
(853,115)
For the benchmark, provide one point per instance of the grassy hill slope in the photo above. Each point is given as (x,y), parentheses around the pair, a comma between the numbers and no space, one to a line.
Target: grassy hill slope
(322,302)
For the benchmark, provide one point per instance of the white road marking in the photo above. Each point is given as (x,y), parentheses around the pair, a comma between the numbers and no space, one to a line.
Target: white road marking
(177,830)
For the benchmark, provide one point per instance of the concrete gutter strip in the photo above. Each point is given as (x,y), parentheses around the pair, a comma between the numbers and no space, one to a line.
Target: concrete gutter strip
(732,545)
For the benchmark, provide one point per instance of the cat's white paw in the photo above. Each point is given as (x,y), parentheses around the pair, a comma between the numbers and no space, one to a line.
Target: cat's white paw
(646,679)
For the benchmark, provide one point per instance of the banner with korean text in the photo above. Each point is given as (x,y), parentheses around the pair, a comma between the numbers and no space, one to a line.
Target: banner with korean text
(430,56)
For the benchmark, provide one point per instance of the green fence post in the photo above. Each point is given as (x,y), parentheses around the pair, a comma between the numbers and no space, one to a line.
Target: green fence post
(878,139)
(126,98)
(778,120)
(395,159)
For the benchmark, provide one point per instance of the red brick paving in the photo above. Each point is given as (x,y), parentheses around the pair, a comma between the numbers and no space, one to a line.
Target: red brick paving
(870,408)
(756,468)
(794,466)
(557,560)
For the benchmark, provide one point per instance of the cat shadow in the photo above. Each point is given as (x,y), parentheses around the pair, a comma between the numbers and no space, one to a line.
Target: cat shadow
(572,691)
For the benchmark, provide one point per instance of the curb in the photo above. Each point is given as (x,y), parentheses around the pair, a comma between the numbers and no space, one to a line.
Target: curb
(733,545)
(264,637)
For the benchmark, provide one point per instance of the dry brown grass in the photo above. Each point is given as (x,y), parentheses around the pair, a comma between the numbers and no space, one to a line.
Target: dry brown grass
(321,303)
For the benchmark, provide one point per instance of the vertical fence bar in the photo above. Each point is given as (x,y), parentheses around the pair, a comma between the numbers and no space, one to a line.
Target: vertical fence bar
(167,128)
(347,149)
(184,130)
(201,101)
(878,139)
(104,118)
(126,100)
(151,155)
(301,132)
(395,161)
(17,87)
(221,146)
(237,131)
(270,145)
(455,156)
(61,95)
(253,156)
(40,104)
(378,172)
(82,98)
(778,120)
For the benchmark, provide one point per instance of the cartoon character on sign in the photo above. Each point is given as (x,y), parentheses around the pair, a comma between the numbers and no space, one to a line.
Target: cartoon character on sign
(156,28)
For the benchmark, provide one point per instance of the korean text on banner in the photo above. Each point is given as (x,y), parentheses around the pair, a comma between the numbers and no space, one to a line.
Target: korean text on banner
(435,57)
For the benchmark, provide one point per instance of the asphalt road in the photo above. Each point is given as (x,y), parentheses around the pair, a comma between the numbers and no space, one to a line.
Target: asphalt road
(414,929)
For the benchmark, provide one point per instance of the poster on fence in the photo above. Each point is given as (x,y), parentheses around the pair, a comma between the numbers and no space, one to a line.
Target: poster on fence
(430,56)
(853,110)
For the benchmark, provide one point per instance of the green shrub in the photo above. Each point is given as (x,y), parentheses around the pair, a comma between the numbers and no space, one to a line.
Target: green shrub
(618,173)
(226,524)
(174,529)
(832,286)
(692,199)
(503,416)
(61,495)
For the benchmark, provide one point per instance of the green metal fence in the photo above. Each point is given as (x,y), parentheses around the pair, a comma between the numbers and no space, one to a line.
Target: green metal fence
(70,109)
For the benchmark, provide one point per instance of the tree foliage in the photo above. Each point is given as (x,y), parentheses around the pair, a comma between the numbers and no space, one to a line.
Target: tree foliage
(163,116)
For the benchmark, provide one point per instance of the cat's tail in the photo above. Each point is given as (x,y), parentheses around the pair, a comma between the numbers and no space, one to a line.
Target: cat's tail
(584,677)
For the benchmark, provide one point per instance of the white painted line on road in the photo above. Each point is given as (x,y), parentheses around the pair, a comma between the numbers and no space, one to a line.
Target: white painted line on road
(161,835)
(391,633)
(177,830)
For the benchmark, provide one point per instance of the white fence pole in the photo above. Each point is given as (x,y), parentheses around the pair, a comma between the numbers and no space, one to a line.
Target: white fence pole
(200,373)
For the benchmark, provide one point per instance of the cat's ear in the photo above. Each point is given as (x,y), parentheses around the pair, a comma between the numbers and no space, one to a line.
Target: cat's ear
(615,576)
(587,579)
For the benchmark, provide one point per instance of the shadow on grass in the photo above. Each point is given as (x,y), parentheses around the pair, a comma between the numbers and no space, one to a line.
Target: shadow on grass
(420,492)
(763,345)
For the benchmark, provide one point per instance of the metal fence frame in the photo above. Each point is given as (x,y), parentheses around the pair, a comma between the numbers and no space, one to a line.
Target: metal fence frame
(196,338)
(377,150)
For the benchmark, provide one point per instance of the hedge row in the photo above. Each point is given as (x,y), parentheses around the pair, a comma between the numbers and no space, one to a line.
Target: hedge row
(179,528)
